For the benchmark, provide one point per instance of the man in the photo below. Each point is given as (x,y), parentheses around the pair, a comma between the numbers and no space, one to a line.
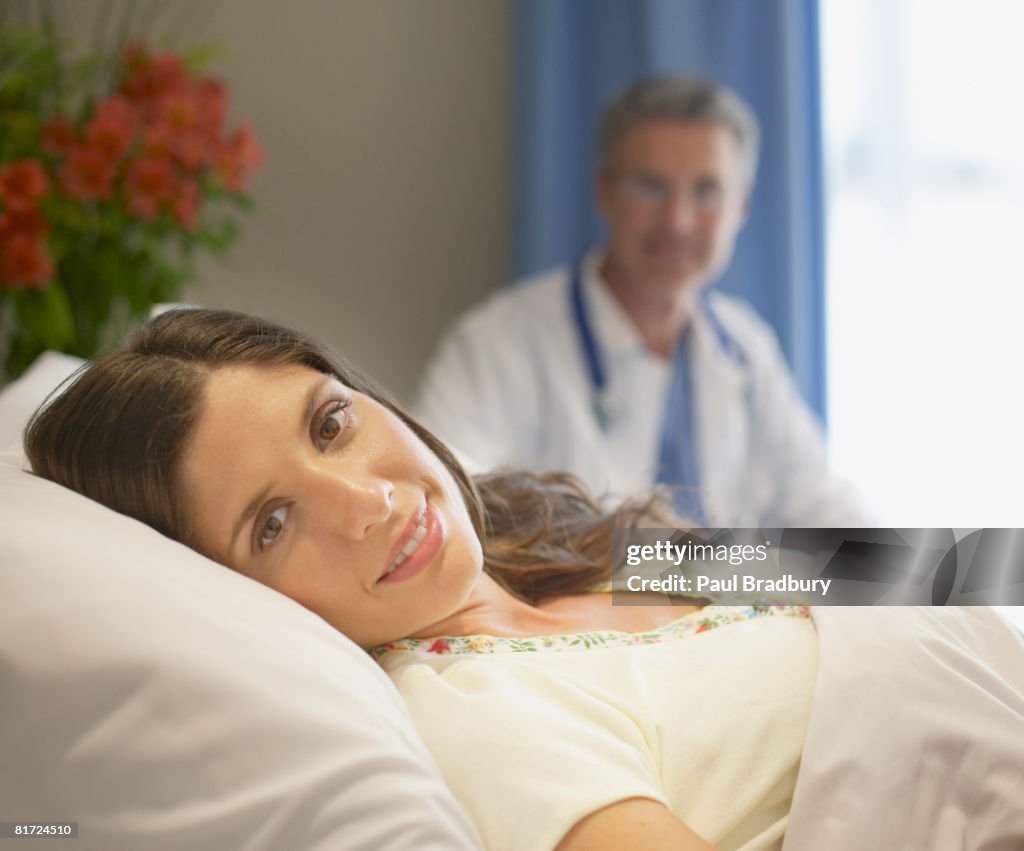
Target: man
(625,369)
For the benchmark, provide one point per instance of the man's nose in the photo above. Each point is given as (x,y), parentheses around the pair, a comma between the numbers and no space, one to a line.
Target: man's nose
(354,501)
(679,210)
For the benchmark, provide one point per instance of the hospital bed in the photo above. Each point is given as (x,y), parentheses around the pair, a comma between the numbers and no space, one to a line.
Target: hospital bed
(159,701)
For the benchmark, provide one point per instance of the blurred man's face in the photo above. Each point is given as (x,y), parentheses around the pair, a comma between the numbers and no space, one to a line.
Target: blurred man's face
(674,201)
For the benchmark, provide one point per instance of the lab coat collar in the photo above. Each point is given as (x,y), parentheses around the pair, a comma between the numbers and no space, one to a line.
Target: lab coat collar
(617,332)
(612,325)
(712,344)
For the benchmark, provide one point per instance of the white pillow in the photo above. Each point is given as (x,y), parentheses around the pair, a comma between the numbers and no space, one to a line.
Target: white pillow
(23,395)
(162,701)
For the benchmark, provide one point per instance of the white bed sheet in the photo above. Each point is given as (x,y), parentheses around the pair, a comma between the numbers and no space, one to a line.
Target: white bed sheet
(916,737)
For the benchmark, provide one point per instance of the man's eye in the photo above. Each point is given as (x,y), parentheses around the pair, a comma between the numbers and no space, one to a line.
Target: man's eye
(332,422)
(709,192)
(272,526)
(646,188)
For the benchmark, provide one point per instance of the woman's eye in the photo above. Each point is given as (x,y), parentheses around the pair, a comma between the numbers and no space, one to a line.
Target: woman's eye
(272,526)
(332,423)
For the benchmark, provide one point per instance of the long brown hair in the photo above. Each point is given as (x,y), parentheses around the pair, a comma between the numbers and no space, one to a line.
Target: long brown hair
(116,434)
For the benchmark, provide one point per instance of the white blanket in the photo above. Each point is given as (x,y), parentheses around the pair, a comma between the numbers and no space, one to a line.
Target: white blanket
(916,736)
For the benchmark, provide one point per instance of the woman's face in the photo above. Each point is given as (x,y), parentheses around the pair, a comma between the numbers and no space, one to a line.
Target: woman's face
(322,493)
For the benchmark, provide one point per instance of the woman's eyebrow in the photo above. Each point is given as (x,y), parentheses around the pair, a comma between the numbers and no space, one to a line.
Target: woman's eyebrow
(311,397)
(254,504)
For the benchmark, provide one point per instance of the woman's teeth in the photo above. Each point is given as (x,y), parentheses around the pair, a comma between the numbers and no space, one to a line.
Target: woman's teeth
(411,544)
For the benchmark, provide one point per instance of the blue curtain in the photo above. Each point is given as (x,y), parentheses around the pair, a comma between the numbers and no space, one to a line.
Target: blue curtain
(572,54)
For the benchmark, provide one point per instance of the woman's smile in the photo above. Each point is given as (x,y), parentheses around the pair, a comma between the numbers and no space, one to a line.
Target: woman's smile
(417,547)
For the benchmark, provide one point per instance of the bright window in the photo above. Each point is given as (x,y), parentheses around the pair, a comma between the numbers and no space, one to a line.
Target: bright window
(925,158)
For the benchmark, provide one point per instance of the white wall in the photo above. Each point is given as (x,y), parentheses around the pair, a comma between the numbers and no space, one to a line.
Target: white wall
(383,206)
(382,210)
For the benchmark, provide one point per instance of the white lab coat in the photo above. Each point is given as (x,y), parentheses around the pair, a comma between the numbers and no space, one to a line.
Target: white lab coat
(509,387)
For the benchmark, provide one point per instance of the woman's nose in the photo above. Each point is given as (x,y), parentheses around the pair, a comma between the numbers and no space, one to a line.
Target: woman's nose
(355,501)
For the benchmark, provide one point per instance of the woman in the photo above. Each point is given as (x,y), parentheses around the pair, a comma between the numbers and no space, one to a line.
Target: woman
(559,719)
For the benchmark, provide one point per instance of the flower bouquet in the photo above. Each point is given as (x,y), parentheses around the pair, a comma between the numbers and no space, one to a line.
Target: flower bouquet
(112,175)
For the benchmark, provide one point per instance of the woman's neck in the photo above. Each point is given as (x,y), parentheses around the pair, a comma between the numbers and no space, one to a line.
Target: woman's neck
(491,610)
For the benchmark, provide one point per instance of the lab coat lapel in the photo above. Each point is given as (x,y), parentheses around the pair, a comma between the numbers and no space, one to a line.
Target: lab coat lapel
(721,389)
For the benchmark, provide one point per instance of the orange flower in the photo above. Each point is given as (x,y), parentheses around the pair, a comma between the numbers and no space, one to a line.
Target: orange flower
(87,176)
(24,262)
(185,205)
(23,182)
(150,181)
(59,136)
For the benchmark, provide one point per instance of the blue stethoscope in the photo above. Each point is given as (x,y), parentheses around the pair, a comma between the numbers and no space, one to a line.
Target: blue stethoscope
(606,404)
(678,463)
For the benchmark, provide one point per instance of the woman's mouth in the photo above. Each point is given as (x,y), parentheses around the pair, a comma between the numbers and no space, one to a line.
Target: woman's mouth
(420,542)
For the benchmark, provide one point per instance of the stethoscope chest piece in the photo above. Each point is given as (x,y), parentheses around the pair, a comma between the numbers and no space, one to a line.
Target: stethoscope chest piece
(608,409)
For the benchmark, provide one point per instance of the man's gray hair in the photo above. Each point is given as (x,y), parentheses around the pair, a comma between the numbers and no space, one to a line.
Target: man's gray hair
(680,99)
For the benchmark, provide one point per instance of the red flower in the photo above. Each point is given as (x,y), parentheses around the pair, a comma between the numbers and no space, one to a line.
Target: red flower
(185,205)
(24,262)
(60,136)
(241,155)
(23,220)
(147,77)
(150,181)
(23,182)
(247,148)
(180,109)
(158,141)
(213,104)
(439,646)
(87,176)
(118,110)
(112,128)
(192,149)
(108,141)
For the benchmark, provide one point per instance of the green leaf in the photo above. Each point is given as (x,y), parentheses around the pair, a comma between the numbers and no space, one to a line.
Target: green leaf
(200,57)
(19,132)
(238,199)
(45,316)
(22,352)
(217,236)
